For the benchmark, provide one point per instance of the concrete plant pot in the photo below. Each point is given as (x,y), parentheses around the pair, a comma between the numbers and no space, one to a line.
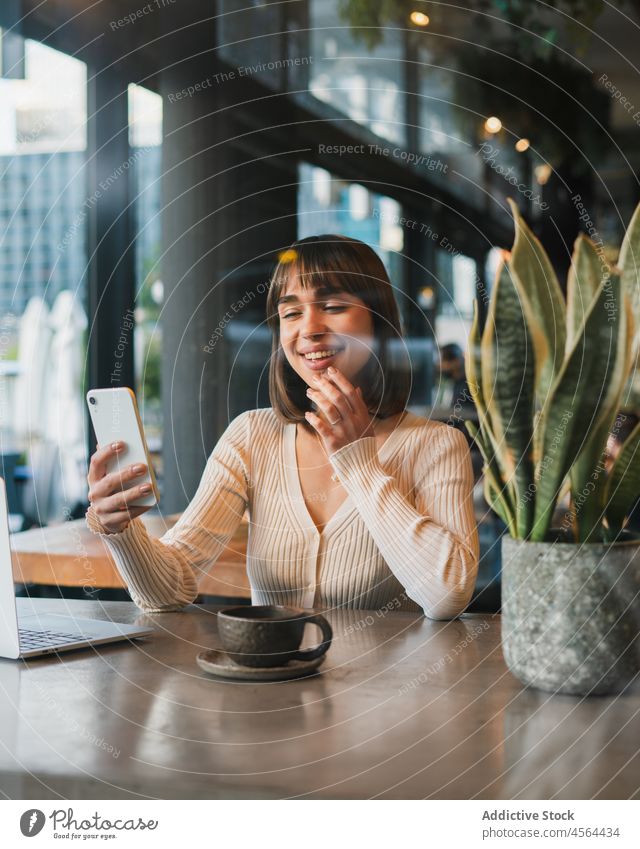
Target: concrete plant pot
(571,615)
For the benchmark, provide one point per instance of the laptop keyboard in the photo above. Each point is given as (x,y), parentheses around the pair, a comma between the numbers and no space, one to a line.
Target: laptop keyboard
(45,639)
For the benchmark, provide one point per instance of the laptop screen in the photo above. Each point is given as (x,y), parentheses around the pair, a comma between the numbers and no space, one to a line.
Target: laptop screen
(9,640)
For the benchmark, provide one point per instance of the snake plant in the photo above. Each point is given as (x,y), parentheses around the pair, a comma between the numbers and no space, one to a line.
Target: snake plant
(548,377)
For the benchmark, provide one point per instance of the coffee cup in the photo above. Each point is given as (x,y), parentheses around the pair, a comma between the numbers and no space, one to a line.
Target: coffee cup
(269,635)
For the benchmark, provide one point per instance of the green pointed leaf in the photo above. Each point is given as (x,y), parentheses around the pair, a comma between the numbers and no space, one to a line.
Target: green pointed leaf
(493,499)
(585,276)
(578,397)
(588,478)
(494,491)
(623,484)
(508,375)
(472,364)
(542,303)
(483,436)
(629,263)
(588,484)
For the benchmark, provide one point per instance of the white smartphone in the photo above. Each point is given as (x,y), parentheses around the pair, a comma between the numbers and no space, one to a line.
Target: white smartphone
(115,418)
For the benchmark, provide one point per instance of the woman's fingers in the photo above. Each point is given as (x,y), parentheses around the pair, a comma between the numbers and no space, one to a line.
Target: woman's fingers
(336,396)
(331,412)
(115,482)
(352,393)
(109,497)
(118,519)
(121,502)
(99,460)
(343,406)
(320,426)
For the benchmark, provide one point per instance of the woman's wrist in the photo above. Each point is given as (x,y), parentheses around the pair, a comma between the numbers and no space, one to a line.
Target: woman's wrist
(355,458)
(96,526)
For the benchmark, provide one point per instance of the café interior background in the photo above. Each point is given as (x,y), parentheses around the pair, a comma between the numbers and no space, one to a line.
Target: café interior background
(156,159)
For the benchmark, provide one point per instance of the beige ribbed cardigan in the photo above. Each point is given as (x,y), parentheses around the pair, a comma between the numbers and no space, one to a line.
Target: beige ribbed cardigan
(405,537)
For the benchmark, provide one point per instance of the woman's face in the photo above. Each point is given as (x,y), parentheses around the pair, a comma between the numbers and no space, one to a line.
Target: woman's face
(319,329)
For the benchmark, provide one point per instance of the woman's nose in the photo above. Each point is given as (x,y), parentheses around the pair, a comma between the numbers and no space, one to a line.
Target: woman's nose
(313,322)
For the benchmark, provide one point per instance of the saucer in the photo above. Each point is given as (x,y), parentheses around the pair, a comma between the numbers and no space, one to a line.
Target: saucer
(218,662)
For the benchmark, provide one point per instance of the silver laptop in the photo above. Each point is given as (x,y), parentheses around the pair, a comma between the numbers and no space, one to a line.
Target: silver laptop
(33,635)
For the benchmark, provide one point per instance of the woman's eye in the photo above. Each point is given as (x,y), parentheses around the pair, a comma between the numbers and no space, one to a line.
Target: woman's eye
(327,307)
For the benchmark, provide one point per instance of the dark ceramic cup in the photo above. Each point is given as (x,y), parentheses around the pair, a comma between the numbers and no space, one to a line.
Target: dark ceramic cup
(269,635)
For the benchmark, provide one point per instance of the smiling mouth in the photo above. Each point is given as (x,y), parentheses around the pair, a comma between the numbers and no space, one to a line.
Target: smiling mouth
(326,354)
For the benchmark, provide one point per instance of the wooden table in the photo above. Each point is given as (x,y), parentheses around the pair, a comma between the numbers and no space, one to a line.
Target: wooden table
(404,708)
(69,555)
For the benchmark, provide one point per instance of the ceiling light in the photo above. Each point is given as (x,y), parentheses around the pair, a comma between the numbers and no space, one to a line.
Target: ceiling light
(522,145)
(542,172)
(493,124)
(419,19)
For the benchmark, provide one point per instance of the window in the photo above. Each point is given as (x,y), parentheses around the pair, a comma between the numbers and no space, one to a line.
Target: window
(327,204)
(365,84)
(251,42)
(43,260)
(145,140)
(457,285)
(448,131)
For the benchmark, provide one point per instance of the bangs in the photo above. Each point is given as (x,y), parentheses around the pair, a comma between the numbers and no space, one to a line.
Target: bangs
(328,264)
(333,264)
(309,277)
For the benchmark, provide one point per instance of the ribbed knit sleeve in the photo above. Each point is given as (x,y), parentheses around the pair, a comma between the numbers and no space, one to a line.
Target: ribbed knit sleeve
(432,548)
(160,574)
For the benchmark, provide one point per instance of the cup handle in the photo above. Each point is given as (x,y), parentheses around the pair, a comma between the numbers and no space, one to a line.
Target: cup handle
(327,636)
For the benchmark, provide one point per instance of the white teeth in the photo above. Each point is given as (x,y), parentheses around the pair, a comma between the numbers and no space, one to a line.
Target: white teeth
(319,355)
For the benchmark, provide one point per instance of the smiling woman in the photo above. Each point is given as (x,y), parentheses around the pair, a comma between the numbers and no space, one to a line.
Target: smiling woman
(331,294)
(353,501)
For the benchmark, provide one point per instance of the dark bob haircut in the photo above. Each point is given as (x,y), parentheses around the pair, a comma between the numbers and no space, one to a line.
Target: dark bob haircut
(346,265)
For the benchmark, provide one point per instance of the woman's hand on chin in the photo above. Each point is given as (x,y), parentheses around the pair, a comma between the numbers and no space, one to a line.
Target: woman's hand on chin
(345,416)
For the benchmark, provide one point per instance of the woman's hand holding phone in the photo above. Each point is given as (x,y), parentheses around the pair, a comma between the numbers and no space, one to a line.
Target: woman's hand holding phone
(110,501)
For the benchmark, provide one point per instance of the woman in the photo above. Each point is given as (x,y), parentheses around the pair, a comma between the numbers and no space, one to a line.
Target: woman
(352,500)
